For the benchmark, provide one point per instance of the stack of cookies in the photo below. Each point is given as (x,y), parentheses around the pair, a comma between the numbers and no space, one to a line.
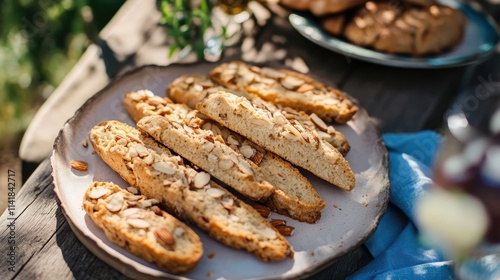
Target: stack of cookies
(221,151)
(411,27)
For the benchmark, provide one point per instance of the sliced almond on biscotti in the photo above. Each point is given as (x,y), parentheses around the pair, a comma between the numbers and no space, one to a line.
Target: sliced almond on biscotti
(157,173)
(286,139)
(144,103)
(294,195)
(183,90)
(190,89)
(286,88)
(201,148)
(153,235)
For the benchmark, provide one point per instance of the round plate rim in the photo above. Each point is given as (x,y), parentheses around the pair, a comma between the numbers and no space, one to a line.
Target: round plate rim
(301,21)
(131,271)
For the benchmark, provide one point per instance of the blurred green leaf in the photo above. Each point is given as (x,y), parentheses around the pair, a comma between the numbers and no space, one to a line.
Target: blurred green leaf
(40,41)
(186,24)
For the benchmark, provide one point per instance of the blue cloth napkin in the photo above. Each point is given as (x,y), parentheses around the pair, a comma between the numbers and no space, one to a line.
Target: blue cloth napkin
(395,245)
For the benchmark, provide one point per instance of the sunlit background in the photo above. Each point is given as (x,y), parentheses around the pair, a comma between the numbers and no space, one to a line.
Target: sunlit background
(40,41)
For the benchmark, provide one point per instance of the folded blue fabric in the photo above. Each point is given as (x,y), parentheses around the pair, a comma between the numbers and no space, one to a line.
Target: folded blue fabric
(395,245)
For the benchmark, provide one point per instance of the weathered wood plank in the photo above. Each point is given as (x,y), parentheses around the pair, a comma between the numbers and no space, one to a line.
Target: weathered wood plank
(32,207)
(403,100)
(46,248)
(73,259)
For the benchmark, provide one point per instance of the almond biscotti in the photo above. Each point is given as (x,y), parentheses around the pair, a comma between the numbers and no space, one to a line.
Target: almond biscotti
(286,88)
(205,150)
(191,89)
(294,195)
(202,148)
(135,223)
(279,135)
(144,103)
(157,173)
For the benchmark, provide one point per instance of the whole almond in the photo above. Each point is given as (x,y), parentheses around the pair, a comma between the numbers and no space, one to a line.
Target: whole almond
(264,211)
(285,230)
(278,222)
(78,165)
(257,158)
(164,237)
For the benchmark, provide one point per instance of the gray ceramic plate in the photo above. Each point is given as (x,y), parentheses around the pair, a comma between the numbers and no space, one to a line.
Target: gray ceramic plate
(347,221)
(480,40)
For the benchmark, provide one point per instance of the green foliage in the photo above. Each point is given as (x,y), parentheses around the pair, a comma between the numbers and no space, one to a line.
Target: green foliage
(39,43)
(186,22)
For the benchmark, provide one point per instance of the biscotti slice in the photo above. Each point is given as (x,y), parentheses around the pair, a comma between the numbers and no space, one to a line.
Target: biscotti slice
(312,123)
(174,130)
(279,135)
(286,88)
(187,193)
(205,150)
(191,89)
(294,195)
(144,103)
(136,224)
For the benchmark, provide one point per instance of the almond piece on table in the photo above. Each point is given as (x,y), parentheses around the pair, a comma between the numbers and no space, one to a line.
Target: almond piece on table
(78,165)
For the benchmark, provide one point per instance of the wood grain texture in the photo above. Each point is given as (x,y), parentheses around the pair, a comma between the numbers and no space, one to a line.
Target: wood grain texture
(27,240)
(404,100)
(46,246)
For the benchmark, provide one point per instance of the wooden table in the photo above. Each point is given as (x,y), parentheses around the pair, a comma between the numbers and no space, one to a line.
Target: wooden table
(400,100)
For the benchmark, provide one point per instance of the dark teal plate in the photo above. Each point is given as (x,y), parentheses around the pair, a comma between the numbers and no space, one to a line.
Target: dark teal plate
(480,40)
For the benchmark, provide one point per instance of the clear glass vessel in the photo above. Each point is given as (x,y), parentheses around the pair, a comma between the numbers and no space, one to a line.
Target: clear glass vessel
(469,162)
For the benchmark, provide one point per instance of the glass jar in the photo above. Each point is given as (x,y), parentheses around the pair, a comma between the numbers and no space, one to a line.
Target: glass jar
(468,163)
